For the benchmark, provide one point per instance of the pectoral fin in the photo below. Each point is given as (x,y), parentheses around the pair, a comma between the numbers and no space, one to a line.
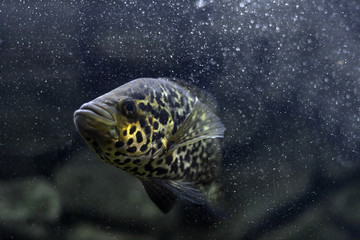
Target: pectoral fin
(164,193)
(200,124)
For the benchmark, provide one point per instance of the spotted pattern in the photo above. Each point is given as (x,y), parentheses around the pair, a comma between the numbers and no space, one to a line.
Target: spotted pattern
(143,146)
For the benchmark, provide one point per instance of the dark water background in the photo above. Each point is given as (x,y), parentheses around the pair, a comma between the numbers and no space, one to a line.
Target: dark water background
(286,75)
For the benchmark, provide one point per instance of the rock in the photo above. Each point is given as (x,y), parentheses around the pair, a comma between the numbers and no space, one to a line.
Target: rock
(334,218)
(346,205)
(28,207)
(90,232)
(313,224)
(92,188)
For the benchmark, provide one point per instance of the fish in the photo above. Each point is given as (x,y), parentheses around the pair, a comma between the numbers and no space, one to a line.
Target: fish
(163,131)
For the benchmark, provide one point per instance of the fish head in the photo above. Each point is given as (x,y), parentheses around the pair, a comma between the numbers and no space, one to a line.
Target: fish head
(114,127)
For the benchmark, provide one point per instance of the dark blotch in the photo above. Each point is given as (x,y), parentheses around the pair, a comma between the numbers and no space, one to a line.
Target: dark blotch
(151,96)
(187,108)
(131,150)
(130,141)
(153,150)
(142,122)
(155,114)
(117,153)
(148,167)
(182,165)
(194,164)
(132,129)
(158,99)
(147,130)
(174,129)
(143,148)
(125,132)
(119,144)
(136,161)
(169,159)
(158,136)
(164,117)
(118,161)
(127,160)
(142,106)
(139,137)
(159,161)
(156,125)
(139,96)
(135,169)
(160,171)
(174,167)
(187,157)
(149,108)
(182,101)
(187,172)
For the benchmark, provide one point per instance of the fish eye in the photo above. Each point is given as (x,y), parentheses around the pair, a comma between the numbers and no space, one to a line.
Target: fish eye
(129,107)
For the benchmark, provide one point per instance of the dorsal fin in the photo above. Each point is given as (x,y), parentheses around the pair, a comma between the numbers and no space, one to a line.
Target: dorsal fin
(204,96)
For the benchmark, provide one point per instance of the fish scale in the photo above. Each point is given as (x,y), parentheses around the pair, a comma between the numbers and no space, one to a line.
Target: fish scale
(163,133)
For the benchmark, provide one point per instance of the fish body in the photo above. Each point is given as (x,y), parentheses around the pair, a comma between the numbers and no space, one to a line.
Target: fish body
(162,133)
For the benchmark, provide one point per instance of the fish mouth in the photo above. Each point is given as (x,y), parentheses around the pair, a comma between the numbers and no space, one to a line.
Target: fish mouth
(94,112)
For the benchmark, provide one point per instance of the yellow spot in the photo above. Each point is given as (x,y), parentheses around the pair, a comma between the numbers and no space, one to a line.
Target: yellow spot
(113,134)
(164,142)
(130,164)
(128,129)
(340,62)
(203,116)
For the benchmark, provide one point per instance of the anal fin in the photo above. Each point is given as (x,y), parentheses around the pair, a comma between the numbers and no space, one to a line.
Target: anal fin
(163,198)
(186,191)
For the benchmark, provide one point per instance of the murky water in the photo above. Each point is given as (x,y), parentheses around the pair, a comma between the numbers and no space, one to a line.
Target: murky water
(286,79)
